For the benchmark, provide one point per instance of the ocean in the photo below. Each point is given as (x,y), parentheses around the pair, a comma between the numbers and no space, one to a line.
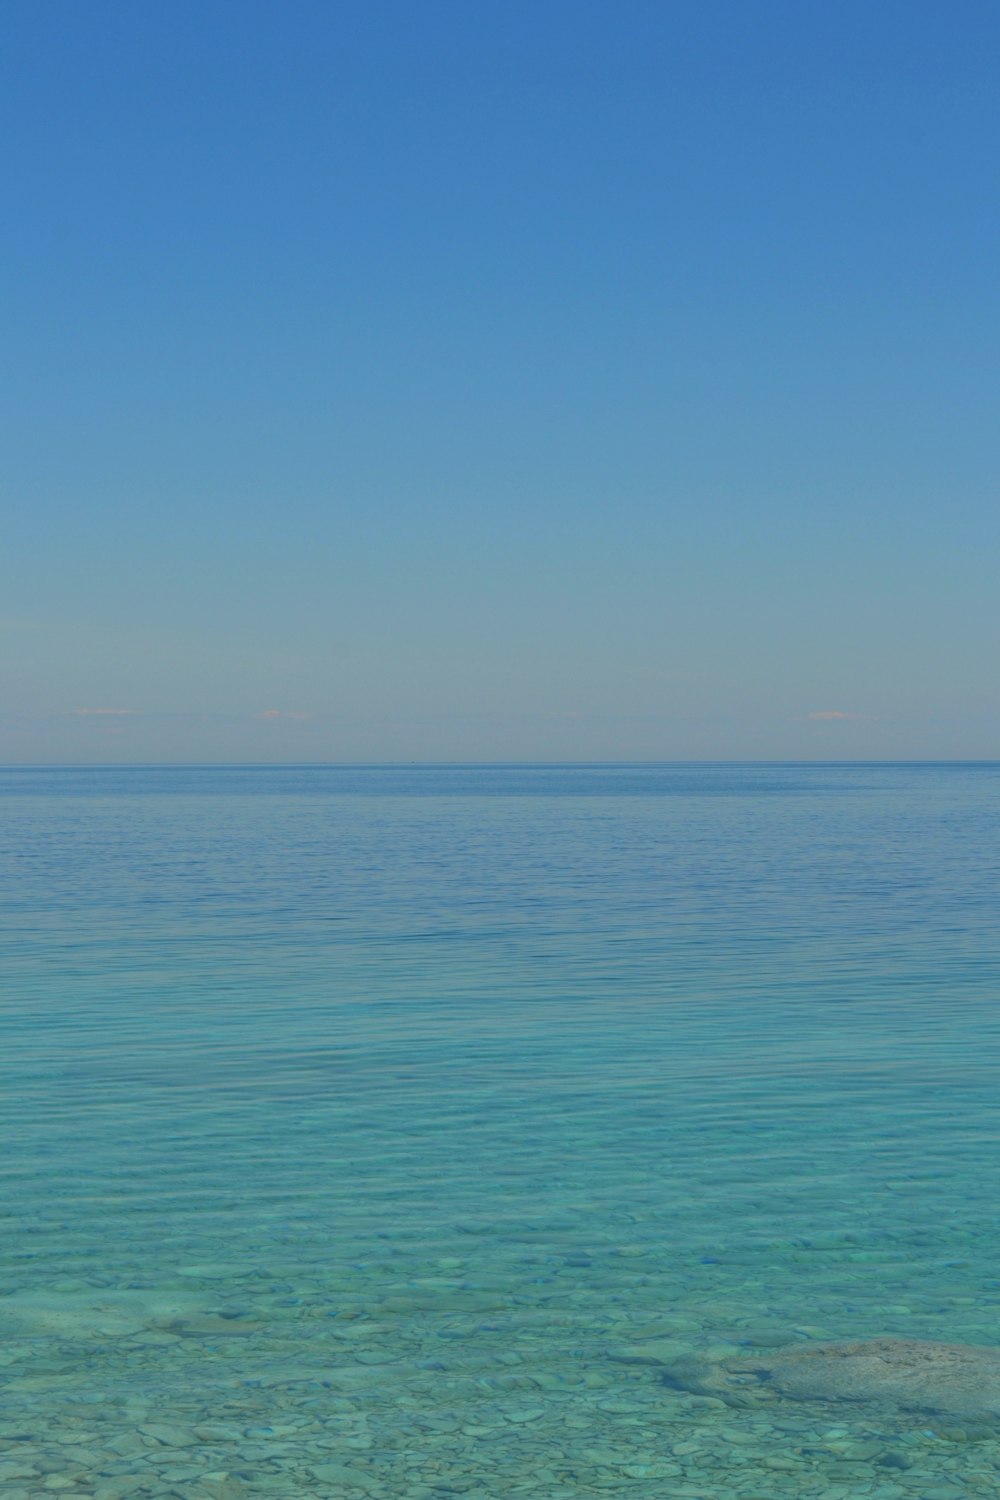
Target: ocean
(409,1132)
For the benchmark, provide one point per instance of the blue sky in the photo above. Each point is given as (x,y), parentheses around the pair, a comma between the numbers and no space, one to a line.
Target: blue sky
(472,380)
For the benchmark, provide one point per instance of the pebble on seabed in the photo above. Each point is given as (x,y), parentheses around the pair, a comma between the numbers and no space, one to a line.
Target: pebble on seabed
(625,1435)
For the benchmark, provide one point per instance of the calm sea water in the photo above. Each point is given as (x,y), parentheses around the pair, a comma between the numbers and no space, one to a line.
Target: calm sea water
(388,1132)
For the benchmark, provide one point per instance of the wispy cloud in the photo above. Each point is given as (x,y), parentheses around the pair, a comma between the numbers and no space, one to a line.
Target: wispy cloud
(834,713)
(282,713)
(89,713)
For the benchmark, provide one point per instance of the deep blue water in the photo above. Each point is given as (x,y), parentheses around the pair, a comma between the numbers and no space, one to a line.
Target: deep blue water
(383,1130)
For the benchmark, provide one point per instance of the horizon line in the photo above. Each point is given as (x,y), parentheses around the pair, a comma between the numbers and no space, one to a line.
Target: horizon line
(277,765)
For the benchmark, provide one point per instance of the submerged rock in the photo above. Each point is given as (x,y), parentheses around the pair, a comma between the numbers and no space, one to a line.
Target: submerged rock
(959,1380)
(95,1313)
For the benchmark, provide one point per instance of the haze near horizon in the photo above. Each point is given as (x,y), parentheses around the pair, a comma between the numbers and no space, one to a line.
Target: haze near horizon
(466,382)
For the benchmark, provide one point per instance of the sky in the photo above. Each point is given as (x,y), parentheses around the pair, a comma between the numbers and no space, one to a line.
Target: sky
(466,380)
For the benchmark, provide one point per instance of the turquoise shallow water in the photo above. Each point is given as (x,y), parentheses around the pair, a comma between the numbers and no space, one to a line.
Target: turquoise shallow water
(382,1132)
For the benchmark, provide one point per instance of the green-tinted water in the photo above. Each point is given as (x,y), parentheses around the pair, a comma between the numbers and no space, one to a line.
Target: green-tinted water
(387,1133)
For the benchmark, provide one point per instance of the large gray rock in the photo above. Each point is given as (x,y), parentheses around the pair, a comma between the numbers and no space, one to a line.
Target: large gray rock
(958,1380)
